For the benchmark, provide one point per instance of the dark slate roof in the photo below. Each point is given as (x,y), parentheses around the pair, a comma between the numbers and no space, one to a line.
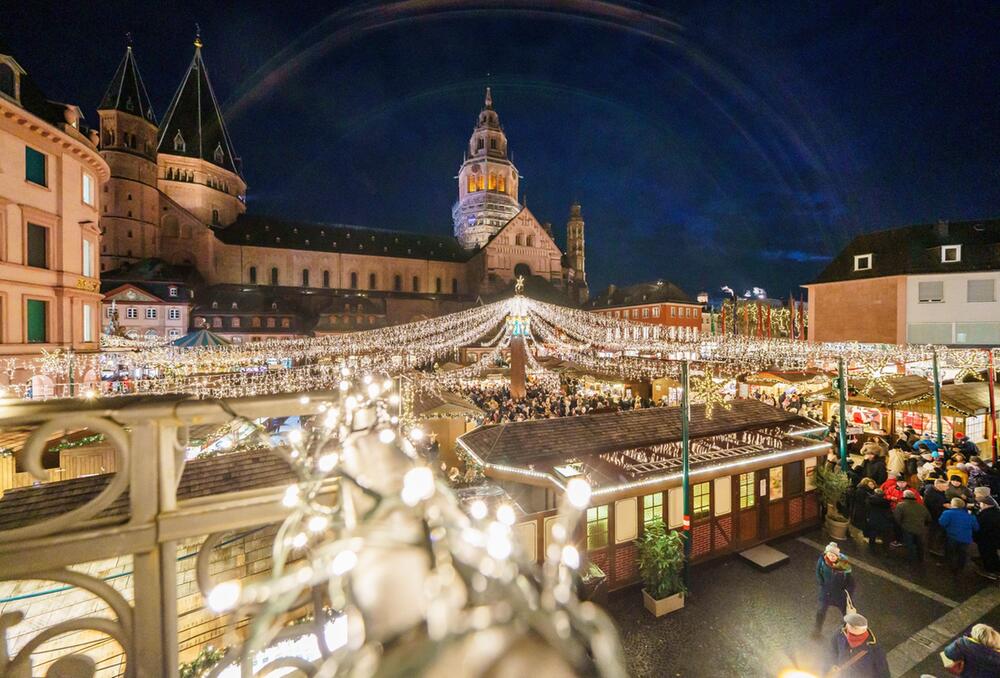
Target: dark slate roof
(657,291)
(551,440)
(264,231)
(195,112)
(201,478)
(127,92)
(35,102)
(917,249)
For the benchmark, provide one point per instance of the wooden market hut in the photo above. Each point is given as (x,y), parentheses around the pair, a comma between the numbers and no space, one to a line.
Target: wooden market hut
(750,477)
(909,401)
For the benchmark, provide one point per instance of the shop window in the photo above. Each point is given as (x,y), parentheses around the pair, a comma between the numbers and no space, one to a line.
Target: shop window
(38,237)
(701,503)
(597,527)
(37,321)
(748,494)
(34,166)
(652,508)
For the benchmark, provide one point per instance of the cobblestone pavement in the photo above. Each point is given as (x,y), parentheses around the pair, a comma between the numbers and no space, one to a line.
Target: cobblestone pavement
(738,621)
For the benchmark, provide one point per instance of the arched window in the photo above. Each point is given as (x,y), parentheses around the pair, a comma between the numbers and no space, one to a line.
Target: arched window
(354,280)
(179,144)
(472,183)
(371,281)
(7,81)
(416,284)
(253,275)
(305,277)
(274,276)
(454,285)
(326,278)
(493,182)
(482,182)
(397,283)
(501,184)
(437,285)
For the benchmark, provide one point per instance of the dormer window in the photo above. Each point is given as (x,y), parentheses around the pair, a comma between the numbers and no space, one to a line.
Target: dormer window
(951,254)
(10,78)
(219,155)
(863,262)
(179,144)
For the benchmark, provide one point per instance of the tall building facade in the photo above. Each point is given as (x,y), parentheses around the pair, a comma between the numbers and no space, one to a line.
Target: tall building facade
(487,182)
(50,177)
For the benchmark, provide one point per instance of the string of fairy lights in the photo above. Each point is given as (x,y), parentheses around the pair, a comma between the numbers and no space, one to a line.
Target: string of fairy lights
(627,349)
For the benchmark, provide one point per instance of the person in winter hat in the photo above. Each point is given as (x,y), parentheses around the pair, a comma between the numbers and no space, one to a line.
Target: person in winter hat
(855,652)
(834,580)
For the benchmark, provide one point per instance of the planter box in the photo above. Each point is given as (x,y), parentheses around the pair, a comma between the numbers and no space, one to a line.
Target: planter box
(661,606)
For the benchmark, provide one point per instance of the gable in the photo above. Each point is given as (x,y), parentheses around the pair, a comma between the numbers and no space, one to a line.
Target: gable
(524,225)
(130,294)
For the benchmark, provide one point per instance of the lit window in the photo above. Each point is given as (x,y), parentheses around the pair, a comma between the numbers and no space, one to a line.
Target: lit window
(88,322)
(88,188)
(597,527)
(34,166)
(88,258)
(951,254)
(747,494)
(702,500)
(652,508)
(862,262)
(151,314)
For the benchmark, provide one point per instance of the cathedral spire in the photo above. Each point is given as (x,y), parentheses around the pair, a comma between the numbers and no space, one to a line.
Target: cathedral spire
(127,93)
(193,125)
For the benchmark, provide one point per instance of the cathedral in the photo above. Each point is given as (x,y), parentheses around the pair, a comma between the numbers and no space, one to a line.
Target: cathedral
(174,211)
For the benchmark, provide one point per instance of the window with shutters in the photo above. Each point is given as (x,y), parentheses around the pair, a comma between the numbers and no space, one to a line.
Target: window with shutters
(34,166)
(978,291)
(930,292)
(37,312)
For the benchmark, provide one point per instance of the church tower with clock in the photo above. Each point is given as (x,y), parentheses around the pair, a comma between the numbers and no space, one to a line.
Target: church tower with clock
(487,182)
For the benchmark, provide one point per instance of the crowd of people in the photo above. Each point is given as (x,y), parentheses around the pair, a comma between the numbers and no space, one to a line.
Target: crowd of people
(494,399)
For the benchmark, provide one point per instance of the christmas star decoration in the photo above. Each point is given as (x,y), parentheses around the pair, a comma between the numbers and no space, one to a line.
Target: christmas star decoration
(872,371)
(704,390)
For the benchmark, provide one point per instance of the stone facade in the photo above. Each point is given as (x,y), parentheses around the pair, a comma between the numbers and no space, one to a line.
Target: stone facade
(50,175)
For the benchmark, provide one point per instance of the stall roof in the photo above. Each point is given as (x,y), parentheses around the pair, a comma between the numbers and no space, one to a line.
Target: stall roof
(614,449)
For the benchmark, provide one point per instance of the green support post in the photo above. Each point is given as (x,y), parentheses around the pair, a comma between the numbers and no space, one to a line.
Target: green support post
(937,400)
(686,465)
(842,396)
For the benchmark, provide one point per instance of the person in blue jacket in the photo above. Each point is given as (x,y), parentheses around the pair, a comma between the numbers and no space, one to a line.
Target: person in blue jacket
(959,527)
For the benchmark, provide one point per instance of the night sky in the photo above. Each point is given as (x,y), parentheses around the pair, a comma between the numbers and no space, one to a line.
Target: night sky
(711,143)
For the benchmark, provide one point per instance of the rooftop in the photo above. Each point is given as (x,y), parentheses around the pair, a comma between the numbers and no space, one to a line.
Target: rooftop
(917,249)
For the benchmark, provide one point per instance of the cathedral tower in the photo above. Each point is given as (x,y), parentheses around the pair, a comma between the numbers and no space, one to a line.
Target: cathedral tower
(575,256)
(128,144)
(197,166)
(487,182)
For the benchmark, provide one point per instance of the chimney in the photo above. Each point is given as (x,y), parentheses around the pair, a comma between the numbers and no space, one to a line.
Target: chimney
(941,229)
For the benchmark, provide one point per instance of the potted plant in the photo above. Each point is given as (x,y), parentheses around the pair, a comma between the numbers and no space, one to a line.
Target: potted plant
(661,566)
(832,484)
